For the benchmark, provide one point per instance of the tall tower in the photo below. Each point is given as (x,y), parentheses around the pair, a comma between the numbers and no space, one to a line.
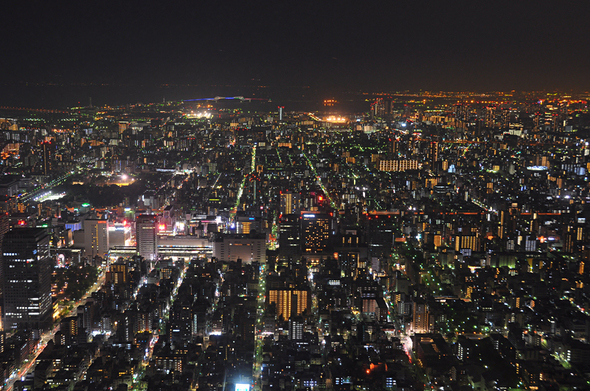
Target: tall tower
(281,112)
(26,272)
(146,236)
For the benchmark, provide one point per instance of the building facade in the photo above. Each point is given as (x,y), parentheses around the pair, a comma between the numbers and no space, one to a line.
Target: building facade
(146,236)
(26,277)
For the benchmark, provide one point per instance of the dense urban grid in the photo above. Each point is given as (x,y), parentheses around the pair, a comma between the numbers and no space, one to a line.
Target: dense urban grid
(435,241)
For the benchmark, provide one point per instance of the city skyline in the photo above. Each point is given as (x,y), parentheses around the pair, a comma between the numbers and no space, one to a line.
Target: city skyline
(433,240)
(300,196)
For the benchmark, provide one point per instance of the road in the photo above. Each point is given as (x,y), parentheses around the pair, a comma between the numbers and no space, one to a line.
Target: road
(138,376)
(259,336)
(252,167)
(29,364)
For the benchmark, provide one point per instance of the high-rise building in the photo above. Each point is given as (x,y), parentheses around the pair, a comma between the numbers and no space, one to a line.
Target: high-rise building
(48,156)
(420,321)
(290,301)
(26,272)
(118,273)
(433,152)
(289,203)
(3,230)
(96,237)
(394,148)
(380,228)
(382,107)
(296,325)
(248,225)
(289,237)
(146,236)
(315,232)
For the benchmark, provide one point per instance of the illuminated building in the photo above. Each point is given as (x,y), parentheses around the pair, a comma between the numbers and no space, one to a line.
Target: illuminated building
(296,325)
(370,302)
(470,242)
(398,165)
(96,237)
(3,231)
(433,154)
(289,238)
(26,271)
(569,239)
(146,236)
(420,320)
(289,302)
(382,107)
(380,228)
(315,232)
(394,148)
(289,203)
(248,248)
(118,274)
(48,151)
(349,249)
(248,224)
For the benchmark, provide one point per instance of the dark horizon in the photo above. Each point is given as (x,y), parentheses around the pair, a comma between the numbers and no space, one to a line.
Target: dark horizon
(384,46)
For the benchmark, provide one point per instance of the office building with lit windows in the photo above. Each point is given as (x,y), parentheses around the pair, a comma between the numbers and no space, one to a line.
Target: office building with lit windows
(315,232)
(290,301)
(96,237)
(289,203)
(26,278)
(289,236)
(146,236)
(48,156)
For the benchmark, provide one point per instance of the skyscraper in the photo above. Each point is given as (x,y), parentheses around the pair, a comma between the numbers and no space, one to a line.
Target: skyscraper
(289,238)
(26,272)
(433,152)
(3,231)
(96,237)
(421,317)
(146,236)
(48,152)
(289,203)
(315,232)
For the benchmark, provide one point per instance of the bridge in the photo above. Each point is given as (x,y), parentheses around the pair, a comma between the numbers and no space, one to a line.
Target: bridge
(218,98)
(50,111)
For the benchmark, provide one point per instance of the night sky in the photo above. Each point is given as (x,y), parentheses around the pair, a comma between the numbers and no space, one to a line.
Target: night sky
(328,46)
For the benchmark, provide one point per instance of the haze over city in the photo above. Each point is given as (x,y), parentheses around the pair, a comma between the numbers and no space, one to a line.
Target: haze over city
(145,51)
